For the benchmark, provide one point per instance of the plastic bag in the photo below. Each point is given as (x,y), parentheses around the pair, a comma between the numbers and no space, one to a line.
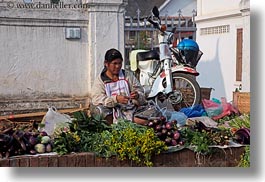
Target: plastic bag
(53,120)
(180,117)
(206,121)
(193,111)
(228,109)
(212,108)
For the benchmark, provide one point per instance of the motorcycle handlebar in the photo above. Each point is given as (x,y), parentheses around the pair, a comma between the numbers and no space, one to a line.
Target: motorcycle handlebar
(155,24)
(158,26)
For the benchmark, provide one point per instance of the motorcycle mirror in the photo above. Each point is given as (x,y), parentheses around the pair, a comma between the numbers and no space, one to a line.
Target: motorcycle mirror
(155,11)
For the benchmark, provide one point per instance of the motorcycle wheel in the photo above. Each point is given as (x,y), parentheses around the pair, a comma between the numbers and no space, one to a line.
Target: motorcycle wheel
(186,91)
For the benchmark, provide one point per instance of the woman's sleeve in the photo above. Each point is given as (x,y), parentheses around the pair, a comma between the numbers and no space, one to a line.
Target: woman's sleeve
(99,96)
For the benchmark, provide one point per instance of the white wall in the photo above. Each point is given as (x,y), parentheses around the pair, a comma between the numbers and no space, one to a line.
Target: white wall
(217,66)
(105,31)
(36,59)
(36,56)
(207,7)
(40,59)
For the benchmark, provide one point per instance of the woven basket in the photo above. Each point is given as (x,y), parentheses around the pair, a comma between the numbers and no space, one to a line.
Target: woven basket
(5,124)
(242,101)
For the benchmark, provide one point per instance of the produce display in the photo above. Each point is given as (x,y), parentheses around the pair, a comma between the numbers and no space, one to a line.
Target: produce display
(19,142)
(131,141)
(166,131)
(126,140)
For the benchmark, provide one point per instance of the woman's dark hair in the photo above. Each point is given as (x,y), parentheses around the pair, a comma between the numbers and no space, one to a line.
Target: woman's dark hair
(112,54)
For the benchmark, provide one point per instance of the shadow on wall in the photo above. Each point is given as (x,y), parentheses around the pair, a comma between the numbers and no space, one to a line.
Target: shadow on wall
(211,74)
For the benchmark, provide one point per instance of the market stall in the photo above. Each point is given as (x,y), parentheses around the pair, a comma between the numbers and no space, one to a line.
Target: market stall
(163,142)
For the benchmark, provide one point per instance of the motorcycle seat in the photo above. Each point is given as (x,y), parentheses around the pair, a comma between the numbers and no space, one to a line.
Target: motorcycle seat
(143,56)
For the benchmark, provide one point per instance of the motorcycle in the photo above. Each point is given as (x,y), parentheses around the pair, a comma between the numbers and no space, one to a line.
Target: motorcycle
(170,75)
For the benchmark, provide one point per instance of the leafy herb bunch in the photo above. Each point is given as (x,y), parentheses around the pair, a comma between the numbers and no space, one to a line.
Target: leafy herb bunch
(81,135)
(131,141)
(66,142)
(126,140)
(201,138)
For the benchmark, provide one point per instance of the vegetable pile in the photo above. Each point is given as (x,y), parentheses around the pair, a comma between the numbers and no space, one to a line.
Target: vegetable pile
(166,131)
(126,140)
(18,142)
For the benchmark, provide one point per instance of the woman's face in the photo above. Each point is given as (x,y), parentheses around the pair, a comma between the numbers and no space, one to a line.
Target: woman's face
(114,66)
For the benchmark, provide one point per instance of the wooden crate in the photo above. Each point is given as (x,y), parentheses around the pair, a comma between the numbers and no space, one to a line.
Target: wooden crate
(242,101)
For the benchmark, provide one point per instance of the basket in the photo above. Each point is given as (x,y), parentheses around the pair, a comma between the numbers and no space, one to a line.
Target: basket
(242,101)
(6,124)
(206,93)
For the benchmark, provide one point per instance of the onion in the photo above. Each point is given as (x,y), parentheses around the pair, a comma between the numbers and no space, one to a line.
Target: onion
(158,128)
(173,142)
(176,135)
(150,124)
(168,125)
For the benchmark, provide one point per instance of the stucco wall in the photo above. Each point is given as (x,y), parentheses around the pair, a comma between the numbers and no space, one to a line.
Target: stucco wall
(36,58)
(105,31)
(217,66)
(207,7)
(38,62)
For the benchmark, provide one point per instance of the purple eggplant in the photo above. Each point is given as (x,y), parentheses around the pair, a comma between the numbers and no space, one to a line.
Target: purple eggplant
(242,136)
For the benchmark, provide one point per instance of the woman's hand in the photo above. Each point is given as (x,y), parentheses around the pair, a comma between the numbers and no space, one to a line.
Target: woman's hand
(122,99)
(134,95)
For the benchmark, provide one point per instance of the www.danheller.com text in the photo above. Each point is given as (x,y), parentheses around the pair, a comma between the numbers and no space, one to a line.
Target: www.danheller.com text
(40,5)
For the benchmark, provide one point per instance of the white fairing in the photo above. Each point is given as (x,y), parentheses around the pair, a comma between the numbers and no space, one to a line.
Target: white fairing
(157,86)
(164,52)
(133,59)
(146,69)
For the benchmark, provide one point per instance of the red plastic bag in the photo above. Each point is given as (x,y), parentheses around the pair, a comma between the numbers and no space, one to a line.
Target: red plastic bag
(228,109)
(212,108)
(209,104)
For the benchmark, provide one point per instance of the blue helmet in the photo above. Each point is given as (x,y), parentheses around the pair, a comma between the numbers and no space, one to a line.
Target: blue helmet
(188,44)
(189,52)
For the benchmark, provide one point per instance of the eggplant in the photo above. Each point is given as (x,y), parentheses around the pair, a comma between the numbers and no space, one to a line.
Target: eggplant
(33,140)
(43,133)
(6,131)
(242,136)
(18,136)
(27,143)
